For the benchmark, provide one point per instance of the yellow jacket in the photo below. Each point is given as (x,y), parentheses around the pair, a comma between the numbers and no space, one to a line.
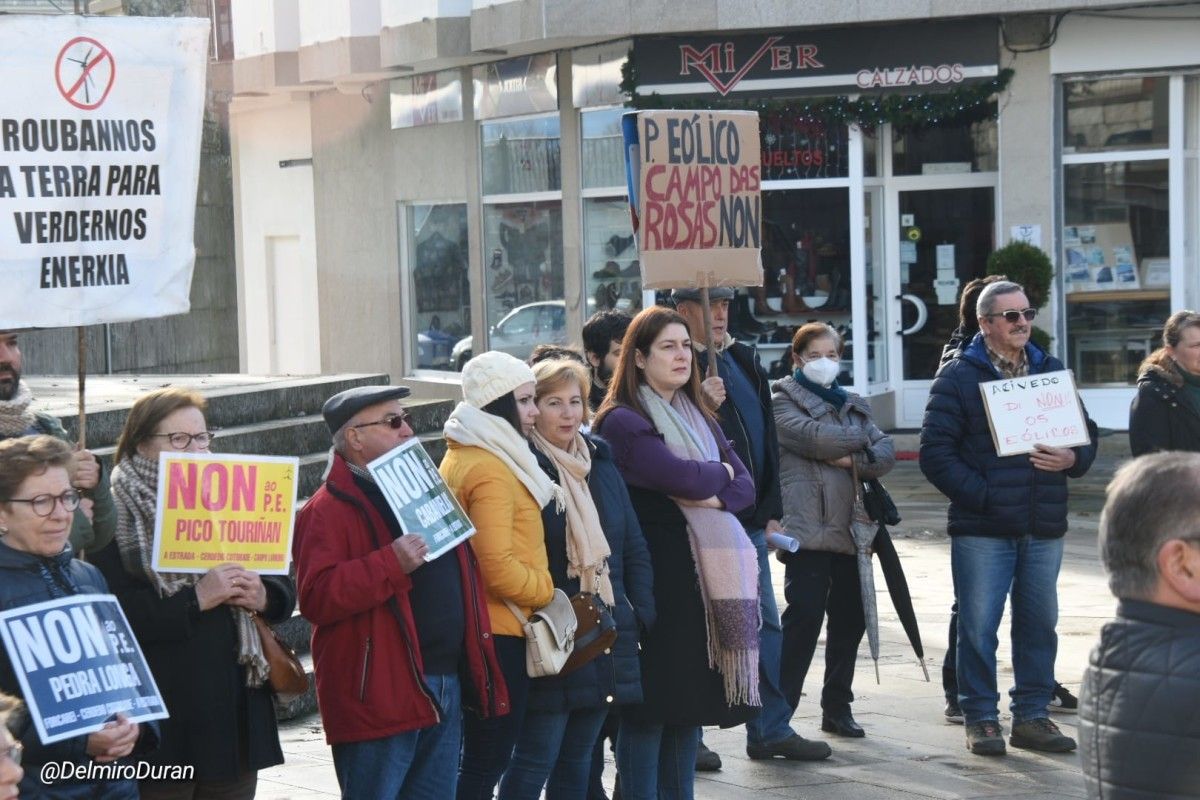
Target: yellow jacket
(509,540)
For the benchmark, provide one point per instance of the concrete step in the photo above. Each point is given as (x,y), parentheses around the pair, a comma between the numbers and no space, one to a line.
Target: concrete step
(233,400)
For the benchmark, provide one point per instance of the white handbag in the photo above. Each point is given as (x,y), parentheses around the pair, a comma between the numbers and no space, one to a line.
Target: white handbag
(549,635)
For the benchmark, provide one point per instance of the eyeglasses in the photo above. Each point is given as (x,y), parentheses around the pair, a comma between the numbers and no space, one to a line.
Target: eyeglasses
(393,421)
(182,441)
(1013,316)
(13,751)
(43,504)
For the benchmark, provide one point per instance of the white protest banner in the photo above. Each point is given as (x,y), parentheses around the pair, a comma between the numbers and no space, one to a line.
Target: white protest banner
(79,665)
(420,499)
(100,123)
(1036,409)
(695,180)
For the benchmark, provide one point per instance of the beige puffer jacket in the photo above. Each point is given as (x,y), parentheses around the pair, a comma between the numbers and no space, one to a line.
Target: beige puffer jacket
(818,498)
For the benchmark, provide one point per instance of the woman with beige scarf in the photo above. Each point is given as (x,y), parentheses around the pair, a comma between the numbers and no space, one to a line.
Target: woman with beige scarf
(195,630)
(594,545)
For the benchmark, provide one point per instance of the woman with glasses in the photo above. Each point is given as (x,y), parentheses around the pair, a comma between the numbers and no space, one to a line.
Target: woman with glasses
(493,472)
(37,503)
(196,630)
(824,433)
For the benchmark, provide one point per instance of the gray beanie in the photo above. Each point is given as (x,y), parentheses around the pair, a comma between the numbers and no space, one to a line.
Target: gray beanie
(492,375)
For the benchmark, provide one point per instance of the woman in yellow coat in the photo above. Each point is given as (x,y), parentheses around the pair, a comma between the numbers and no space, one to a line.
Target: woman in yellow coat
(492,470)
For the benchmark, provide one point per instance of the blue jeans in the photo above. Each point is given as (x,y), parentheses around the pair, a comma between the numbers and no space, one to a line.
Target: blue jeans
(413,764)
(657,762)
(986,570)
(554,747)
(772,723)
(488,743)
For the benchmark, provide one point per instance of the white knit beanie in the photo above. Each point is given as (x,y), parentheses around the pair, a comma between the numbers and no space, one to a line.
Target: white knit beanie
(492,375)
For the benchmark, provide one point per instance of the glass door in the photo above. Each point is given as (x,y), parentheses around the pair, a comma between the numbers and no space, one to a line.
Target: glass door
(945,237)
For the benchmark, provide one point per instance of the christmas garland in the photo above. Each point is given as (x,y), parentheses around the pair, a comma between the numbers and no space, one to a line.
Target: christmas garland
(961,106)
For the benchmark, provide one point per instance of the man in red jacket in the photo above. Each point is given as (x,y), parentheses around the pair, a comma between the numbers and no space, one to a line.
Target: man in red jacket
(392,634)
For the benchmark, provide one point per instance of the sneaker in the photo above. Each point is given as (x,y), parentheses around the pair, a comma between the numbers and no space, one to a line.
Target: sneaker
(985,738)
(1062,701)
(793,748)
(1041,734)
(707,760)
(953,712)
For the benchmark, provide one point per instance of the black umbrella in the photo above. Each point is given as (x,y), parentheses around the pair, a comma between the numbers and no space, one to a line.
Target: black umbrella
(893,575)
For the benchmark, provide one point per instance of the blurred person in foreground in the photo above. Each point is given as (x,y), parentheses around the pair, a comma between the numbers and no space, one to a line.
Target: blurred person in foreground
(1139,730)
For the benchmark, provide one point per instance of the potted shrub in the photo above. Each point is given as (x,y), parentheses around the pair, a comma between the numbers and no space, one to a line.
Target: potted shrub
(1029,266)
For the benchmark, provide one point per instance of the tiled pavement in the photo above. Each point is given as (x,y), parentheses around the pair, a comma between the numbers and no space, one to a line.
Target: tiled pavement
(909,751)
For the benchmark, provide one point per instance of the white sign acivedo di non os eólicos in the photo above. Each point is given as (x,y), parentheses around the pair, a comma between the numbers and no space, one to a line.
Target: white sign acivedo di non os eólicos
(1036,409)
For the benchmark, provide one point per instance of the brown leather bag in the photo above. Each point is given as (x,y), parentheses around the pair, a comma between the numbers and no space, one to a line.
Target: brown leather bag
(287,676)
(595,633)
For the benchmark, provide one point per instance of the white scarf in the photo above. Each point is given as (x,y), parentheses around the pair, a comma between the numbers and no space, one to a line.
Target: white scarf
(470,426)
(15,417)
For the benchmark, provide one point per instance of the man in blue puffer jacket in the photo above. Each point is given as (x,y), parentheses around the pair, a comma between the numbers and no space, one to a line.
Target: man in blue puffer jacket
(1007,518)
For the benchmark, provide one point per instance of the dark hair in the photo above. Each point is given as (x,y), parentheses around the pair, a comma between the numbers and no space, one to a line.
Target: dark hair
(1149,501)
(602,329)
(25,456)
(815,330)
(554,352)
(505,407)
(627,379)
(1172,335)
(968,320)
(149,410)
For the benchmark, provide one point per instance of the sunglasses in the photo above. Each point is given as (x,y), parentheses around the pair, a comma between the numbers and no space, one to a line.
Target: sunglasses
(1013,316)
(393,421)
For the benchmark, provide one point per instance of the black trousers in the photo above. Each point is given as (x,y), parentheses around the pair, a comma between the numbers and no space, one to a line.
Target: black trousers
(817,583)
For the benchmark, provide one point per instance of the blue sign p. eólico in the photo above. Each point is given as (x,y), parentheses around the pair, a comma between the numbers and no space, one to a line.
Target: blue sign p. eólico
(79,665)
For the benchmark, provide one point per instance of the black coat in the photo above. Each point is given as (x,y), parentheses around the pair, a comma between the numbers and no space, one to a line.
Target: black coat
(613,678)
(768,500)
(1139,730)
(27,579)
(1162,416)
(218,724)
(990,495)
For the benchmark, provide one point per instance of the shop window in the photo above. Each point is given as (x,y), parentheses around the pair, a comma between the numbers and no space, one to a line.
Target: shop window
(799,149)
(603,149)
(523,275)
(1116,266)
(806,272)
(440,286)
(1115,114)
(610,256)
(946,150)
(521,156)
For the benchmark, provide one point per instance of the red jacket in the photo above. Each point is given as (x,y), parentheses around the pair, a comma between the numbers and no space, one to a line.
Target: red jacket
(366,655)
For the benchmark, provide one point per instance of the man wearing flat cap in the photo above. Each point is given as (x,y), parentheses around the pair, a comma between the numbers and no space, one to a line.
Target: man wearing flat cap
(741,395)
(400,646)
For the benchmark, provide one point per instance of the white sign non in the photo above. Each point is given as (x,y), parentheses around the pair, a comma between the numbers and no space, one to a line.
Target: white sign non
(1037,409)
(100,124)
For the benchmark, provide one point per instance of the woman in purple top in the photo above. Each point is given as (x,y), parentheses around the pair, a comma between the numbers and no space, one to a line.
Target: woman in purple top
(700,663)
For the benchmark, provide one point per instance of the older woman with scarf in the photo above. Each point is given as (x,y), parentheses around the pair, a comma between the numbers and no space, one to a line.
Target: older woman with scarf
(825,433)
(595,547)
(700,663)
(493,472)
(37,502)
(196,630)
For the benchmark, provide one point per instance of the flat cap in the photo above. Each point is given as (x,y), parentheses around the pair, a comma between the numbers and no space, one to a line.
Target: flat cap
(715,293)
(342,406)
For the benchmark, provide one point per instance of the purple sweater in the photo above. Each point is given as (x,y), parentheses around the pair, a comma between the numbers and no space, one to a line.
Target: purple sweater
(644,461)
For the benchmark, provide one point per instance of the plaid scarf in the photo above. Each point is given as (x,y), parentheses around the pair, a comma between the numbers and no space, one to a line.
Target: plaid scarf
(725,560)
(15,417)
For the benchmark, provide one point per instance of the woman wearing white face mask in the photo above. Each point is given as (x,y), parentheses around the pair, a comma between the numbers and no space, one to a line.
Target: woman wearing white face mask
(824,432)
